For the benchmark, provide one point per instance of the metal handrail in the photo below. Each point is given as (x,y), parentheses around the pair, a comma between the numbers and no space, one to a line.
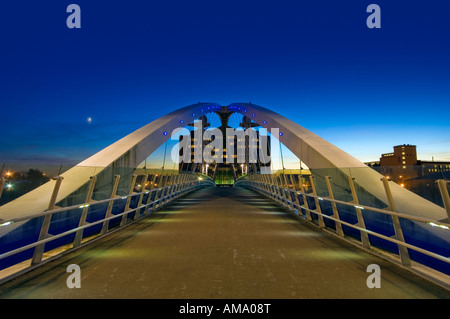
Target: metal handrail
(180,188)
(315,211)
(362,206)
(93,203)
(73,230)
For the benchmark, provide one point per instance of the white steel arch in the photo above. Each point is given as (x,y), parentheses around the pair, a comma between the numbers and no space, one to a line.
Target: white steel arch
(322,157)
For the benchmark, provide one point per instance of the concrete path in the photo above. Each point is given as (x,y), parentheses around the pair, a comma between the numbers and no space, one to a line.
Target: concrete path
(222,243)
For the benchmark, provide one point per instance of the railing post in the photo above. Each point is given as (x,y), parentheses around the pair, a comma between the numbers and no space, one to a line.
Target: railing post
(159,192)
(364,236)
(280,189)
(305,199)
(168,189)
(316,199)
(287,192)
(39,250)
(270,185)
(137,212)
(296,201)
(183,183)
(403,251)
(150,194)
(165,190)
(444,194)
(180,182)
(110,204)
(173,188)
(333,205)
(262,181)
(79,233)
(127,205)
(266,183)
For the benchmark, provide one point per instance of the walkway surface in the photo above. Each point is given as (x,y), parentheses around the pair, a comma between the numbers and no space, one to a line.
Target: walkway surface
(222,243)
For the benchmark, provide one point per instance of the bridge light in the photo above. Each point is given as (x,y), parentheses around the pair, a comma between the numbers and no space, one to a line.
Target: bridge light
(281,133)
(9,186)
(6,224)
(181,121)
(265,122)
(437,225)
(253,114)
(165,133)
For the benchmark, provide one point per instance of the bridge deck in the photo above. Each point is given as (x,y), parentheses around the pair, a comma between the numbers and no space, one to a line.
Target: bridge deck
(220,243)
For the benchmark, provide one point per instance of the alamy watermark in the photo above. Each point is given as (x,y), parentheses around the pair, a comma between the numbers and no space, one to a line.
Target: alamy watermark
(374,279)
(373,20)
(74,279)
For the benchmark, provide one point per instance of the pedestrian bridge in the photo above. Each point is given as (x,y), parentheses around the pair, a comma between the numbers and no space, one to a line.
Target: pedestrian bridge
(136,234)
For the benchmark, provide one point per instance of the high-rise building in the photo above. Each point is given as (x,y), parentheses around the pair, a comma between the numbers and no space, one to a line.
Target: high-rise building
(226,170)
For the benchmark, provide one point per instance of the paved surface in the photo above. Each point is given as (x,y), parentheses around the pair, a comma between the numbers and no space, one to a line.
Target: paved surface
(220,243)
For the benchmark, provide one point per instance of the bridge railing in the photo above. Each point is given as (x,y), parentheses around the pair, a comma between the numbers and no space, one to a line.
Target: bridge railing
(59,229)
(383,231)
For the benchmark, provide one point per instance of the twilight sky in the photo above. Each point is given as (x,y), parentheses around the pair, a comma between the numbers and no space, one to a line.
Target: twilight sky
(316,62)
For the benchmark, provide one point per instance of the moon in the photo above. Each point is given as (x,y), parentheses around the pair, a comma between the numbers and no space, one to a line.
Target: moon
(89,119)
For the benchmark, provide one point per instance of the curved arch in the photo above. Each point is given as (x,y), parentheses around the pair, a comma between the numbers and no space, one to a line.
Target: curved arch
(322,157)
(325,159)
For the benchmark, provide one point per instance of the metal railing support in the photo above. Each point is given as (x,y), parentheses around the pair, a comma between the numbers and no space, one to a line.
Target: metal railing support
(159,192)
(39,250)
(403,251)
(79,233)
(285,190)
(127,205)
(316,199)
(444,194)
(296,200)
(364,236)
(137,213)
(305,200)
(108,214)
(334,206)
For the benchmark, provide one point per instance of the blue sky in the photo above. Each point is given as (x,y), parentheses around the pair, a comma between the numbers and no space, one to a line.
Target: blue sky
(365,90)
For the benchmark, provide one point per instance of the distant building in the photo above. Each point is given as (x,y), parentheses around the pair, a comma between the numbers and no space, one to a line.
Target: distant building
(226,170)
(403,155)
(403,167)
